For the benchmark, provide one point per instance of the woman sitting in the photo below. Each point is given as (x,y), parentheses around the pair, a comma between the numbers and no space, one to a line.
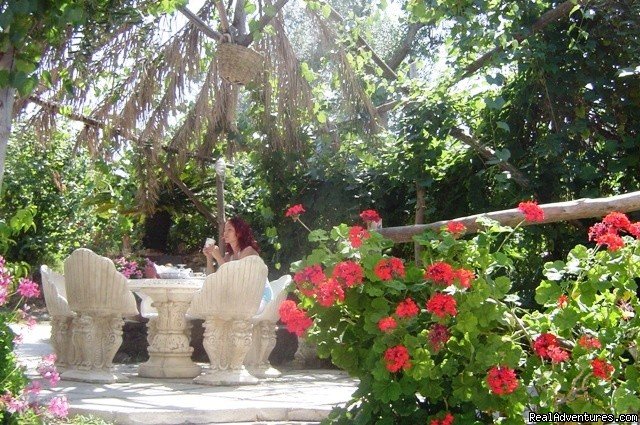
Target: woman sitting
(240,243)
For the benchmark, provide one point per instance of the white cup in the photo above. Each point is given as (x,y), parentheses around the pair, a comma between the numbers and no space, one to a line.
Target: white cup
(210,242)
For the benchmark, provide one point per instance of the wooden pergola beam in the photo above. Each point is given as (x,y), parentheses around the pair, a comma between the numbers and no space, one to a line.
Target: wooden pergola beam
(553,213)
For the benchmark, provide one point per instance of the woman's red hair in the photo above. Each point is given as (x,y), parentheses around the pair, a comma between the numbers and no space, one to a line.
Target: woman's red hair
(244,234)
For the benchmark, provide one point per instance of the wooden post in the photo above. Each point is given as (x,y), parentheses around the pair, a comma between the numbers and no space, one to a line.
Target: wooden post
(220,170)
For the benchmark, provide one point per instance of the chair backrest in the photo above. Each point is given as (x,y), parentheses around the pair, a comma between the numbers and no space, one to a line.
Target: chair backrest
(146,308)
(233,292)
(54,292)
(270,311)
(95,286)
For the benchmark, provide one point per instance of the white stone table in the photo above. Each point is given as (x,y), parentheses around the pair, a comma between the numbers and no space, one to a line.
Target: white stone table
(169,349)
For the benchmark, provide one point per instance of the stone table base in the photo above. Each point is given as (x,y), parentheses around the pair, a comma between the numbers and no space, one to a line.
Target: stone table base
(169,350)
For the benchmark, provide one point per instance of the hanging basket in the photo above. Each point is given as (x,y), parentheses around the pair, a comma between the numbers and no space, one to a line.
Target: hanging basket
(238,64)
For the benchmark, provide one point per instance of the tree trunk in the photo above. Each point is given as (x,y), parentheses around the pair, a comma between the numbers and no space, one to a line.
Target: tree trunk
(558,211)
(405,47)
(7,96)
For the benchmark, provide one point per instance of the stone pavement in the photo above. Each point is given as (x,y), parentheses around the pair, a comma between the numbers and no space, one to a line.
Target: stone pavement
(297,397)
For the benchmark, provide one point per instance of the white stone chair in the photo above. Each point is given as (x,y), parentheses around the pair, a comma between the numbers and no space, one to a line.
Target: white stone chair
(99,296)
(55,298)
(264,332)
(227,302)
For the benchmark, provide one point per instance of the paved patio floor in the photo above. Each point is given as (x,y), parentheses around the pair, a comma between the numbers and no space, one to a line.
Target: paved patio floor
(297,397)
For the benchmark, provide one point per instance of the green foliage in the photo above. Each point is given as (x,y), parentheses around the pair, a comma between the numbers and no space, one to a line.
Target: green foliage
(578,141)
(61,201)
(21,220)
(12,377)
(27,28)
(486,331)
(86,420)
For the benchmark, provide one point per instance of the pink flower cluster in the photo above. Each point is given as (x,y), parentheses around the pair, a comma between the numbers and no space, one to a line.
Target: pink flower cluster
(5,282)
(47,369)
(27,288)
(57,407)
(129,268)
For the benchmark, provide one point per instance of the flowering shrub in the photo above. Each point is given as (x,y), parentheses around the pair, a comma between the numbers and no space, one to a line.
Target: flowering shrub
(447,342)
(133,268)
(18,401)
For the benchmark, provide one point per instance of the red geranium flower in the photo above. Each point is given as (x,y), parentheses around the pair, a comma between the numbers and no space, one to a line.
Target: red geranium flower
(438,336)
(407,308)
(447,420)
(532,212)
(442,305)
(397,267)
(455,227)
(397,358)
(563,300)
(348,273)
(611,240)
(634,229)
(356,235)
(328,292)
(370,216)
(388,268)
(617,221)
(294,211)
(308,279)
(502,380)
(557,354)
(543,342)
(294,318)
(440,273)
(589,342)
(598,230)
(465,277)
(601,369)
(387,324)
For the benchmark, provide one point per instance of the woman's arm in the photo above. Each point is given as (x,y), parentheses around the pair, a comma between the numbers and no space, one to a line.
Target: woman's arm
(212,253)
